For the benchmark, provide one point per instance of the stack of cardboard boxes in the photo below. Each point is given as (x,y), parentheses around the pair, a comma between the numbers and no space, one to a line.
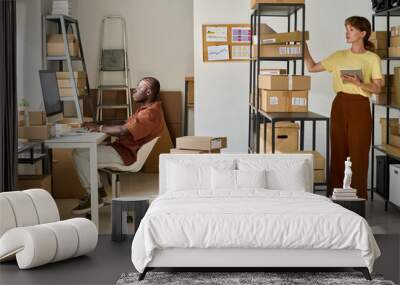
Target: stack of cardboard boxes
(37,128)
(394,83)
(287,141)
(394,49)
(273,44)
(65,86)
(379,39)
(197,145)
(394,131)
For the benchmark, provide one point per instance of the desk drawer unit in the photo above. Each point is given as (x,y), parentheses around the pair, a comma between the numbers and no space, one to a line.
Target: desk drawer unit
(394,189)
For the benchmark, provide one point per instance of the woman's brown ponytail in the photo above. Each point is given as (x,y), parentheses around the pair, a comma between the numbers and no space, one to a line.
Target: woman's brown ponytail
(362,24)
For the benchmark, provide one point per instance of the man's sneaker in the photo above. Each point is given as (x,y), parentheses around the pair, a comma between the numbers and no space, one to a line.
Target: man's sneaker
(84,206)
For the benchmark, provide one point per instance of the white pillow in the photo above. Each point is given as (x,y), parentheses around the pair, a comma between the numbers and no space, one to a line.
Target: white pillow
(282,174)
(223,179)
(184,175)
(251,178)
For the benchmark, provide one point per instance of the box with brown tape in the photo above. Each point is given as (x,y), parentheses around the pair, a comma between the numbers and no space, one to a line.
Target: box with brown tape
(201,143)
(284,82)
(286,137)
(280,38)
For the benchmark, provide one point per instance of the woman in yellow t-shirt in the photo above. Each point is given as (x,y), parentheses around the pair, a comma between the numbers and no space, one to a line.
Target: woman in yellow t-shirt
(351,113)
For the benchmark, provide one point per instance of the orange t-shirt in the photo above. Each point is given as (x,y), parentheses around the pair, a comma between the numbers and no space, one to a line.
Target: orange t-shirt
(143,126)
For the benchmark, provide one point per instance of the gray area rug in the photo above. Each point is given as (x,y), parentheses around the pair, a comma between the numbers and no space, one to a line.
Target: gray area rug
(243,278)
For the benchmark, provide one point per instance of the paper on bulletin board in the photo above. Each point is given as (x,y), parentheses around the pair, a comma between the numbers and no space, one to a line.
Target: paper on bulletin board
(217,34)
(240,52)
(216,53)
(241,35)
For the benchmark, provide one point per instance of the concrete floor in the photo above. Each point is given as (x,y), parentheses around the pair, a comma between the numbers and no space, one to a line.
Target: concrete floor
(110,260)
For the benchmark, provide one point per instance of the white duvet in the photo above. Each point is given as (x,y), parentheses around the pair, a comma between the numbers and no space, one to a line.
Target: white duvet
(250,219)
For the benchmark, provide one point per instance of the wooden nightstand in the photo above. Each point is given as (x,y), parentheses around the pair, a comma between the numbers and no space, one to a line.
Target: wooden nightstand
(357,205)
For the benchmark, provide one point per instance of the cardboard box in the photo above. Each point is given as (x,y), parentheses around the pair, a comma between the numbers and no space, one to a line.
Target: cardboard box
(35,132)
(66,83)
(67,92)
(395,41)
(61,75)
(379,44)
(298,101)
(394,51)
(65,178)
(285,51)
(394,140)
(395,97)
(30,169)
(274,101)
(378,35)
(25,182)
(284,82)
(279,38)
(175,130)
(270,71)
(393,128)
(37,118)
(286,137)
(190,90)
(381,52)
(55,45)
(319,175)
(255,2)
(193,151)
(201,143)
(21,118)
(172,106)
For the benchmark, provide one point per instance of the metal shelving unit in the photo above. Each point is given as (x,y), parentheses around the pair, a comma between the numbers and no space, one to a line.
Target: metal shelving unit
(392,153)
(63,24)
(256,115)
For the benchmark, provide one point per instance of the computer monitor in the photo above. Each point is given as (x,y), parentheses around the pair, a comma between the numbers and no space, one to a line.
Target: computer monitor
(51,96)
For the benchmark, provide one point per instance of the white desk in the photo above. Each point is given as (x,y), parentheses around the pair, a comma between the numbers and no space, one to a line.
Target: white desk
(89,141)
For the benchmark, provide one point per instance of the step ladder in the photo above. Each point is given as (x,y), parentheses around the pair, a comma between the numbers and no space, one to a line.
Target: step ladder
(113,60)
(64,23)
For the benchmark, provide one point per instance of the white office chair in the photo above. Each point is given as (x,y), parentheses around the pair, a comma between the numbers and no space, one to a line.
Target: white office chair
(115,170)
(31,231)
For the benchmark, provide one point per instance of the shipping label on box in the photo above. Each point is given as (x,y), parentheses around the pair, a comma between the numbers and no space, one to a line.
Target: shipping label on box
(298,101)
(274,101)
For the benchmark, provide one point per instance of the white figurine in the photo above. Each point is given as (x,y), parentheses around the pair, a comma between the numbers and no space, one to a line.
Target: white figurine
(347,174)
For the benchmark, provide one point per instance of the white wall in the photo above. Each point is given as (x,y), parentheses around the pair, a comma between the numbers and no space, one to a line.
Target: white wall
(160,37)
(222,88)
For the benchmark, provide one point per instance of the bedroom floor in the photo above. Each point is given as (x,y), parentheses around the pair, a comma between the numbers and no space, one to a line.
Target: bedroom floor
(380,221)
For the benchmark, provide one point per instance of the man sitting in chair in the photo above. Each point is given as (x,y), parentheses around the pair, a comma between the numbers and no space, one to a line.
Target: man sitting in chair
(145,125)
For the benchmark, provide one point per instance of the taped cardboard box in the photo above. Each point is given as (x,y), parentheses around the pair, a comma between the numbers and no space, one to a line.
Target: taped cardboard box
(284,82)
(271,71)
(393,128)
(201,143)
(286,51)
(25,182)
(279,38)
(274,101)
(36,132)
(68,92)
(37,118)
(394,51)
(378,35)
(319,176)
(382,53)
(379,44)
(395,41)
(55,45)
(255,2)
(298,101)
(286,137)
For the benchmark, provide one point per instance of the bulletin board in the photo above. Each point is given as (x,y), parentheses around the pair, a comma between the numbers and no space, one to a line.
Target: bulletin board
(226,42)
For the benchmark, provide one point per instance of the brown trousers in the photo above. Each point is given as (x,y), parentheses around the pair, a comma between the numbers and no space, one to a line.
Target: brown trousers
(350,136)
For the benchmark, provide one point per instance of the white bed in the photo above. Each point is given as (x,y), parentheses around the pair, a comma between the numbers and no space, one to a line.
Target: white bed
(201,220)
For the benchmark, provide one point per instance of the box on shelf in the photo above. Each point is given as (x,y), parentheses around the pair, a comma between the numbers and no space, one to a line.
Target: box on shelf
(193,151)
(274,101)
(21,118)
(279,38)
(284,82)
(394,139)
(36,132)
(379,44)
(55,45)
(25,182)
(272,71)
(298,101)
(255,2)
(393,128)
(37,118)
(395,31)
(286,137)
(286,51)
(395,41)
(381,52)
(319,176)
(378,35)
(66,83)
(201,143)
(62,75)
(394,51)
(67,92)
(395,97)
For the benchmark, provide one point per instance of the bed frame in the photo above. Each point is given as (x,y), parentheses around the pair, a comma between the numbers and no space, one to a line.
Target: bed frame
(236,259)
